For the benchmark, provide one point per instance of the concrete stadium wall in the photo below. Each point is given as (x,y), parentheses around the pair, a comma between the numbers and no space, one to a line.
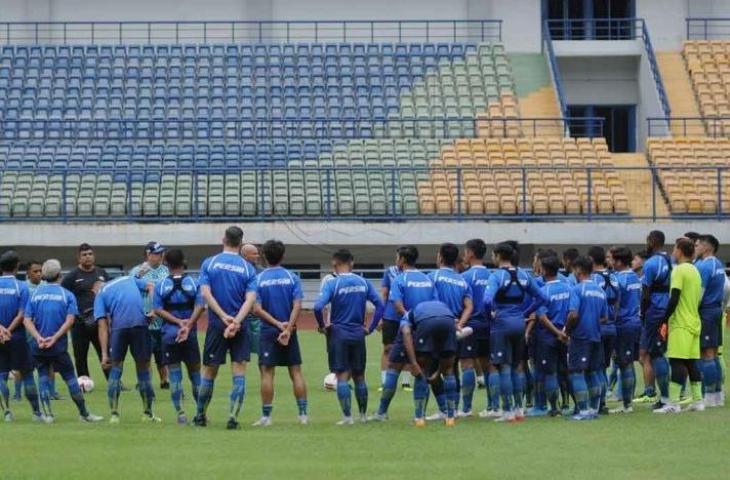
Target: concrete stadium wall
(312,242)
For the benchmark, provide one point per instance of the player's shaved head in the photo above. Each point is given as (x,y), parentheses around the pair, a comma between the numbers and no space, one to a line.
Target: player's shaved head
(408,254)
(597,255)
(9,261)
(655,239)
(550,265)
(503,252)
(477,247)
(583,266)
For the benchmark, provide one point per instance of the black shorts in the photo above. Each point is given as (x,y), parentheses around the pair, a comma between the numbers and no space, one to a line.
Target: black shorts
(156,345)
(626,348)
(608,344)
(216,347)
(585,355)
(274,354)
(186,352)
(15,354)
(436,337)
(389,331)
(547,354)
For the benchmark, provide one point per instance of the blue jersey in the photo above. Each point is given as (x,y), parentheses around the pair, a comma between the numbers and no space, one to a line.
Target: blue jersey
(607,281)
(412,287)
(477,277)
(589,301)
(177,295)
(347,295)
(13,298)
(569,279)
(389,276)
(425,311)
(657,273)
(556,308)
(629,306)
(48,308)
(121,301)
(276,292)
(508,291)
(712,273)
(229,278)
(451,289)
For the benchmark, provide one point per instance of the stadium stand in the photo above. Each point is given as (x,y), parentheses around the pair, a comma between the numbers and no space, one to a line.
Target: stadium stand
(315,129)
(691,186)
(709,68)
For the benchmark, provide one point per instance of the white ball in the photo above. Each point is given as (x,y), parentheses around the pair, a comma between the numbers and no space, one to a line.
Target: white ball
(330,381)
(86,384)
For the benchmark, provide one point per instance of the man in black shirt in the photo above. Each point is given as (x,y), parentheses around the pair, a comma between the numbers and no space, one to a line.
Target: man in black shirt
(84,282)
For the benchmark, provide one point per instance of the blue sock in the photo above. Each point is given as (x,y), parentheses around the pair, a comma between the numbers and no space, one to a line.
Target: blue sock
(114,388)
(452,394)
(603,378)
(661,373)
(493,390)
(77,395)
(580,390)
(441,401)
(4,392)
(18,387)
(176,387)
(238,392)
(204,395)
(390,385)
(708,367)
(468,383)
(52,385)
(195,381)
(144,381)
(519,381)
(552,389)
(44,391)
(720,374)
(361,397)
(628,384)
(266,410)
(613,377)
(302,406)
(594,388)
(540,397)
(505,387)
(420,395)
(344,397)
(31,392)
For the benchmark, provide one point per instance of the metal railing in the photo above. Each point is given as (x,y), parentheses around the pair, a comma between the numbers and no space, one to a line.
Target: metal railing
(554,72)
(708,28)
(333,194)
(236,130)
(612,29)
(264,31)
(715,127)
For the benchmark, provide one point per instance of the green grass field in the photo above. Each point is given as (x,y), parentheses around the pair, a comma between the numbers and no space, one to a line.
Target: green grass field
(641,445)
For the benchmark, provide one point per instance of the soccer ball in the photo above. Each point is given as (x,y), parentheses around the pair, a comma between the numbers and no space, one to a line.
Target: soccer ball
(330,381)
(86,384)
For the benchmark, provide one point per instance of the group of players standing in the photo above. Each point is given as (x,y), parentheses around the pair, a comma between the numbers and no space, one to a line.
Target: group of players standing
(536,338)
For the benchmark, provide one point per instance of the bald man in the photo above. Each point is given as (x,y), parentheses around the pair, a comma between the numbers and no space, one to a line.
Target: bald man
(250,253)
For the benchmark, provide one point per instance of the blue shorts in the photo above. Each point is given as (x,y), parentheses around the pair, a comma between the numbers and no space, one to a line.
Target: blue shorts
(711,335)
(186,352)
(274,354)
(436,337)
(15,355)
(61,364)
(650,341)
(608,342)
(626,348)
(547,354)
(216,347)
(507,347)
(136,339)
(475,345)
(349,356)
(585,355)
(398,353)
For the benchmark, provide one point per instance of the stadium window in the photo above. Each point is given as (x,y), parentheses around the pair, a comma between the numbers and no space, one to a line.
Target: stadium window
(604,11)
